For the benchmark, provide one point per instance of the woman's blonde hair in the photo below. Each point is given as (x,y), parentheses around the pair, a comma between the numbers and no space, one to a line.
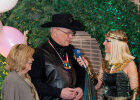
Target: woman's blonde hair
(18,57)
(119,47)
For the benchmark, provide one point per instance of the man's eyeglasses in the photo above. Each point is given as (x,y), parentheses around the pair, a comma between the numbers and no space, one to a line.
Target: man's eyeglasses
(73,32)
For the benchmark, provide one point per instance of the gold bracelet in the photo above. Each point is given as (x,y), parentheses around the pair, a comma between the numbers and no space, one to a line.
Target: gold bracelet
(135,94)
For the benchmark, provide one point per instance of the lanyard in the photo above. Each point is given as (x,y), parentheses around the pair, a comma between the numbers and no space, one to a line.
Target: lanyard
(65,62)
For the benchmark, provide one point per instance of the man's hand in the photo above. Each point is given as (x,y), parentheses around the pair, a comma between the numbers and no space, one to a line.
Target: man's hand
(68,93)
(79,93)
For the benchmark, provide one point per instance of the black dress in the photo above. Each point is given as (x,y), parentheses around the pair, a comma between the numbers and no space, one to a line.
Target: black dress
(116,84)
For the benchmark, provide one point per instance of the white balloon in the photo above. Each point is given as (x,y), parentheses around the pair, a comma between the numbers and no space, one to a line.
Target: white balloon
(6,5)
(1,26)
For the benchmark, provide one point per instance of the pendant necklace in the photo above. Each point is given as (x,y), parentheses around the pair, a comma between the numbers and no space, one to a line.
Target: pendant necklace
(65,62)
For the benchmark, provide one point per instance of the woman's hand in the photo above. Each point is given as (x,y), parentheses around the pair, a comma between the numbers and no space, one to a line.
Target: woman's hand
(99,77)
(82,62)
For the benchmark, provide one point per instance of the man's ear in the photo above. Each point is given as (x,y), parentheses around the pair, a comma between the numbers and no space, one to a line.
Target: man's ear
(54,32)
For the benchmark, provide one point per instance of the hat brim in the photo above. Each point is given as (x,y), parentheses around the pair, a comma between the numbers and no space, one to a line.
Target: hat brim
(75,25)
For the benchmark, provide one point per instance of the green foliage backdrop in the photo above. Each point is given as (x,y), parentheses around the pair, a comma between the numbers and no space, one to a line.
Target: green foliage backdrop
(98,16)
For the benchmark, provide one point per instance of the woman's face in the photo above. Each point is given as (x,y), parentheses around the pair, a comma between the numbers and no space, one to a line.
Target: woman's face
(107,44)
(28,65)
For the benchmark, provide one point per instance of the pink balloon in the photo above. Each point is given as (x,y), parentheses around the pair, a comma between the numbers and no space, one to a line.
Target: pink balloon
(8,38)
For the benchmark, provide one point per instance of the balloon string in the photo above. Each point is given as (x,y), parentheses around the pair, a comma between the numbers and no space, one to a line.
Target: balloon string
(1,15)
(25,37)
(1,26)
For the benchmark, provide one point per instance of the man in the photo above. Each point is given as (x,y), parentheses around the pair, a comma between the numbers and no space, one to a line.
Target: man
(55,73)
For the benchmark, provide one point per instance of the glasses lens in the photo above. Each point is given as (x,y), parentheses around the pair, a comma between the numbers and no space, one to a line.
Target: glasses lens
(73,32)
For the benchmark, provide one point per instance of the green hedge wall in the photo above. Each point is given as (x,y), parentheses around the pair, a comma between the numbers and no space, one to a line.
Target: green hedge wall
(98,16)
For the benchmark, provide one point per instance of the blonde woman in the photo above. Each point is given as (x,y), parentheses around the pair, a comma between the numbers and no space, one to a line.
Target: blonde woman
(17,84)
(118,72)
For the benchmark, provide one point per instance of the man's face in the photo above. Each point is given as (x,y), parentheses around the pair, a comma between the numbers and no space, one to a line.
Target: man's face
(63,36)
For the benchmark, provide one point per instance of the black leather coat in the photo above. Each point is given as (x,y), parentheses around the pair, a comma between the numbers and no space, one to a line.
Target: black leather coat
(49,75)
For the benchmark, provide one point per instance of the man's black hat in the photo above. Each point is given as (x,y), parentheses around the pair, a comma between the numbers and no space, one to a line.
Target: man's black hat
(65,21)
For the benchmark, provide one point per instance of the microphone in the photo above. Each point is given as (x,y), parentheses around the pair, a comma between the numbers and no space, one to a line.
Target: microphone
(92,76)
(78,54)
